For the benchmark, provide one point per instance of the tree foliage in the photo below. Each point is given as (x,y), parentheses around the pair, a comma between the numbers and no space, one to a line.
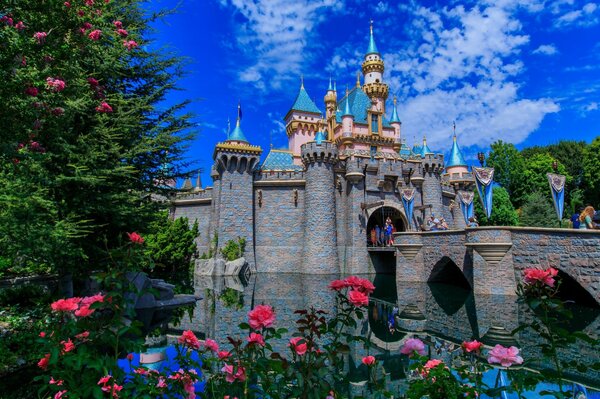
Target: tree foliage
(508,164)
(538,211)
(503,211)
(84,136)
(591,172)
(535,174)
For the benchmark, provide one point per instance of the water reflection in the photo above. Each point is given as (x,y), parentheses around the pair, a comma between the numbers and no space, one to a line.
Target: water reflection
(442,315)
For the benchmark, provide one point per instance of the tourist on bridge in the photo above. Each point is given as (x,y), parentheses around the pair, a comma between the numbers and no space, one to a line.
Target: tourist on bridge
(377,241)
(373,236)
(473,222)
(585,219)
(388,231)
(575,219)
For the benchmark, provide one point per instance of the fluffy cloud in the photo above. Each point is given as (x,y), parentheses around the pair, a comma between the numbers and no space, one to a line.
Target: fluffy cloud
(587,16)
(274,36)
(546,49)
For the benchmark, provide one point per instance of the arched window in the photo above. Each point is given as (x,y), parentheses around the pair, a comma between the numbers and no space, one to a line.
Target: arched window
(374,123)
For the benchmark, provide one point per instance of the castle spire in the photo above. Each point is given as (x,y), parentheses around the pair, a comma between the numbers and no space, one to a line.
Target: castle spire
(237,134)
(372,49)
(395,118)
(330,88)
(357,79)
(456,157)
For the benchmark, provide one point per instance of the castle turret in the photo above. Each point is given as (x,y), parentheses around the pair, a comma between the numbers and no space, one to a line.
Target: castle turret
(233,202)
(347,123)
(301,122)
(320,234)
(372,68)
(432,169)
(457,176)
(396,124)
(331,108)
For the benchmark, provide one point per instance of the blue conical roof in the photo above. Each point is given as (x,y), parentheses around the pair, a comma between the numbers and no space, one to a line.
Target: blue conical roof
(330,88)
(395,118)
(347,111)
(372,47)
(237,134)
(304,103)
(425,149)
(456,157)
(405,152)
(320,137)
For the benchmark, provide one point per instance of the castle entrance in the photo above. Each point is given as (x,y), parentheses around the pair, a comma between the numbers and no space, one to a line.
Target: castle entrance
(378,218)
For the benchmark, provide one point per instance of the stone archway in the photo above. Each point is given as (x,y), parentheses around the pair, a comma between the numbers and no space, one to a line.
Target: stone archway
(378,216)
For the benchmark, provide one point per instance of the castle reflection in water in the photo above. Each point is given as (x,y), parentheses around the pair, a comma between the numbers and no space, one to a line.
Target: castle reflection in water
(442,315)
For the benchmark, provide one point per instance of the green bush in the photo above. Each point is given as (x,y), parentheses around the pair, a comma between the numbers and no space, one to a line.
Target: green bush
(24,295)
(234,249)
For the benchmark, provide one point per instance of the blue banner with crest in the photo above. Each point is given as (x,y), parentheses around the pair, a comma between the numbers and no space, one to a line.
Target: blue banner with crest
(484,179)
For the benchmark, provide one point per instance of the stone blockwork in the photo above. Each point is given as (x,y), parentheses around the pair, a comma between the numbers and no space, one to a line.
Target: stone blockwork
(492,259)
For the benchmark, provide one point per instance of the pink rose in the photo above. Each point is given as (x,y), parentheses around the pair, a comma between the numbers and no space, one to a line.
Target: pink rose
(262,316)
(55,382)
(93,82)
(134,237)
(368,360)
(299,348)
(223,355)
(95,34)
(432,364)
(337,285)
(122,32)
(84,311)
(65,305)
(55,84)
(189,339)
(162,383)
(257,339)
(60,394)
(20,26)
(413,345)
(68,346)
(40,37)
(83,335)
(67,4)
(504,356)
(130,44)
(231,376)
(545,277)
(43,363)
(118,24)
(211,344)
(360,284)
(472,346)
(43,334)
(358,298)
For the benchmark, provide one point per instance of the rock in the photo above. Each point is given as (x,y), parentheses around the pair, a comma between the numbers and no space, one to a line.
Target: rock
(209,267)
(234,267)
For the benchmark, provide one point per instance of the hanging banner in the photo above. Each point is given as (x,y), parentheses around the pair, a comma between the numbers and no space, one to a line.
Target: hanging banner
(557,187)
(484,177)
(408,200)
(466,204)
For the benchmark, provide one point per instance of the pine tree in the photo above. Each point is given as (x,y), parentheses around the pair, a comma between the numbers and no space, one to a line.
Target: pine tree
(85,135)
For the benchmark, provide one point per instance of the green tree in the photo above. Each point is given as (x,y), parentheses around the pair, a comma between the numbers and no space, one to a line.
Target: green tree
(172,245)
(509,165)
(535,174)
(538,211)
(503,211)
(591,172)
(84,128)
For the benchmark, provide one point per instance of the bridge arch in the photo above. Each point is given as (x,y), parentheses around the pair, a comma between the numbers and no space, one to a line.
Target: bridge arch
(377,217)
(447,271)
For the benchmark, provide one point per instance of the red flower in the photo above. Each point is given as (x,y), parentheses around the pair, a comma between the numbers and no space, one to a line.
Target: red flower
(65,305)
(118,24)
(545,277)
(60,394)
(130,356)
(210,344)
(55,84)
(95,34)
(122,32)
(67,4)
(20,26)
(257,339)
(262,316)
(189,339)
(368,360)
(337,285)
(130,44)
(358,298)
(43,363)
(135,238)
(93,82)
(504,356)
(84,311)
(432,363)
(32,91)
(472,346)
(68,346)
(299,348)
(40,37)
(58,111)
(223,355)
(83,335)
(230,376)
(360,284)
(55,382)
(43,334)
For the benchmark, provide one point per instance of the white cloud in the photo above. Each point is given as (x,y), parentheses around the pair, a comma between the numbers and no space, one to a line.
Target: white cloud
(587,16)
(274,38)
(591,107)
(546,49)
(381,7)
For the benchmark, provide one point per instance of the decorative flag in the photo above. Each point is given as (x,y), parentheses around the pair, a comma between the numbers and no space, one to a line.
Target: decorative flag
(466,204)
(408,200)
(557,186)
(484,177)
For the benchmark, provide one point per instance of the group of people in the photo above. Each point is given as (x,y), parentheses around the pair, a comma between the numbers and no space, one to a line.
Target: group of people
(383,236)
(584,219)
(435,224)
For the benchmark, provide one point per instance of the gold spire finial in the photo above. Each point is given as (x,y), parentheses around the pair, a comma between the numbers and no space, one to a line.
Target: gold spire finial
(239,114)
(357,79)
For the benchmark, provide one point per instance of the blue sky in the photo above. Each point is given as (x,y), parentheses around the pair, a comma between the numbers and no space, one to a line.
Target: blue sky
(524,71)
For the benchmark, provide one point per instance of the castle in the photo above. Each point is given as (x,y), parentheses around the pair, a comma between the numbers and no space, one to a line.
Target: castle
(311,208)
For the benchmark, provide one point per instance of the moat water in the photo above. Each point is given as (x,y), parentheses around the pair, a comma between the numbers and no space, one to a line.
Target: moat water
(441,315)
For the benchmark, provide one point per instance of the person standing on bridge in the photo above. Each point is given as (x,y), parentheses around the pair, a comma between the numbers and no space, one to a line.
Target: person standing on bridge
(378,235)
(586,218)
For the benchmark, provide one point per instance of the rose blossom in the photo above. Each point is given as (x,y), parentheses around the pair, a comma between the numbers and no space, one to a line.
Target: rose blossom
(118,24)
(210,344)
(32,91)
(95,34)
(360,284)
(337,285)
(122,32)
(43,334)
(161,382)
(546,277)
(358,298)
(40,37)
(504,356)
(55,84)
(60,394)
(93,82)
(239,375)
(57,382)
(83,335)
(130,44)
(472,346)
(20,26)
(65,305)
(368,360)
(300,349)
(262,316)
(104,108)
(413,345)
(68,346)
(223,355)
(432,363)
(43,363)
(255,338)
(134,237)
(189,339)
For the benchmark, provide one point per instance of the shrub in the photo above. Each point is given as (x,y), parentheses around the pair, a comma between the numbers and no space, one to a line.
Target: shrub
(234,249)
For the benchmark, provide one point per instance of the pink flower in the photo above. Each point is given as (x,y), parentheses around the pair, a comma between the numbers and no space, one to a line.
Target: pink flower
(104,380)
(32,91)
(122,32)
(130,44)
(358,298)
(257,339)
(89,2)
(67,4)
(413,345)
(472,346)
(95,34)
(7,20)
(88,300)
(360,284)
(40,37)
(432,364)
(337,285)
(43,334)
(504,356)
(300,349)
(86,26)
(36,147)
(262,316)
(20,26)
(189,339)
(65,305)
(81,13)
(83,335)
(68,345)
(43,363)
(93,82)
(162,383)
(115,389)
(58,111)
(211,344)
(141,371)
(189,388)
(60,394)
(55,84)
(134,237)
(57,382)
(104,108)
(223,355)
(545,277)
(118,24)
(84,311)
(230,376)
(368,360)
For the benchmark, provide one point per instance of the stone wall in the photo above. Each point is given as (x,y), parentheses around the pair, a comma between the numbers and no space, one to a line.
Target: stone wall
(199,211)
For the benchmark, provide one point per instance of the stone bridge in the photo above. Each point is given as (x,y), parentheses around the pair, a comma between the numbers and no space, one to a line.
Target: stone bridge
(492,259)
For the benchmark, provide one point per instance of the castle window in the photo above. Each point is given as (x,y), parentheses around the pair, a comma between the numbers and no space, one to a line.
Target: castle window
(373,151)
(374,123)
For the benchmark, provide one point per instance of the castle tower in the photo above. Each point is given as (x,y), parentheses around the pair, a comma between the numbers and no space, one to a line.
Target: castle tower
(233,202)
(433,166)
(372,68)
(331,108)
(301,122)
(320,234)
(347,123)
(396,124)
(457,174)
